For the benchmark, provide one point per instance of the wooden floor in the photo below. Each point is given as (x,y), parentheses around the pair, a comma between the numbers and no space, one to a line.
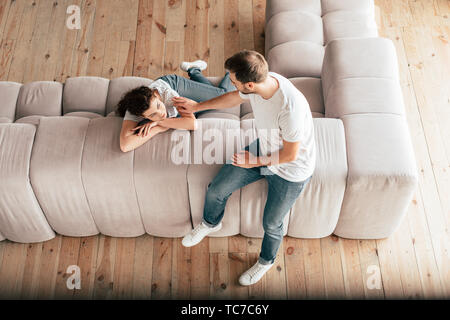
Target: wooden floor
(149,38)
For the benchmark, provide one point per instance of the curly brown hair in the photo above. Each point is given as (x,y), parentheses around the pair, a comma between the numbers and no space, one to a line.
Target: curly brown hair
(135,101)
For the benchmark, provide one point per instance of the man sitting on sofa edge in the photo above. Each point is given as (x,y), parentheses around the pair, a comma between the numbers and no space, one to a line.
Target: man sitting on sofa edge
(286,163)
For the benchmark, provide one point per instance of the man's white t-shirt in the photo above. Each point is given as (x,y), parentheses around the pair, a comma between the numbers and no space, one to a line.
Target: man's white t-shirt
(285,116)
(167,93)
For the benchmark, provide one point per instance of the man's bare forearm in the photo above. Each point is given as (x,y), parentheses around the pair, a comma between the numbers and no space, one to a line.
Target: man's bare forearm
(228,100)
(275,158)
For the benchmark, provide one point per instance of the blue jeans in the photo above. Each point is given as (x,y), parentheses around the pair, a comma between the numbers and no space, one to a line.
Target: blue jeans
(198,87)
(280,199)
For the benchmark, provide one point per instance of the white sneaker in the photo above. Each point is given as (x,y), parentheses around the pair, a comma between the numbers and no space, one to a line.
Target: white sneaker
(197,235)
(185,66)
(254,274)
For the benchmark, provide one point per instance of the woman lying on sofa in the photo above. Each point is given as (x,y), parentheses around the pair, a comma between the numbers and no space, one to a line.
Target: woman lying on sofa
(149,110)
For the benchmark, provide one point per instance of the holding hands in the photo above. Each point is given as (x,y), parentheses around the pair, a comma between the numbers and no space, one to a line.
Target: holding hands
(185,105)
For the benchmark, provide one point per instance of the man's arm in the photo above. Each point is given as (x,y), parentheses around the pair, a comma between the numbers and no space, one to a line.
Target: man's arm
(228,100)
(287,154)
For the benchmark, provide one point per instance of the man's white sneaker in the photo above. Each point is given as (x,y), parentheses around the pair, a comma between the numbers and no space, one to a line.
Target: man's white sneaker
(198,233)
(254,274)
(185,66)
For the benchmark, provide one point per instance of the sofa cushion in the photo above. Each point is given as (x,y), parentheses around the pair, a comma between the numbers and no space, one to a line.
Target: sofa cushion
(349,24)
(317,115)
(217,114)
(83,114)
(293,26)
(34,120)
(312,90)
(215,141)
(308,57)
(41,98)
(119,87)
(55,172)
(246,108)
(85,94)
(382,175)
(359,58)
(298,30)
(347,5)
(107,173)
(316,211)
(364,95)
(9,94)
(274,7)
(361,76)
(248,116)
(5,120)
(161,186)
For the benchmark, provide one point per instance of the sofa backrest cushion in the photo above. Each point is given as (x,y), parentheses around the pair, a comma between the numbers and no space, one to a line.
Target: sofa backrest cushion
(85,94)
(9,92)
(363,71)
(297,31)
(41,98)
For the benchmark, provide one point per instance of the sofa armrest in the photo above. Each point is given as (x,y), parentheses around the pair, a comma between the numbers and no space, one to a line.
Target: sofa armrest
(361,86)
(21,217)
(382,176)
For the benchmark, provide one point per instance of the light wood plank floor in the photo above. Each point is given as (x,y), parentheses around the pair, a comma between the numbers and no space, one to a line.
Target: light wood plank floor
(149,38)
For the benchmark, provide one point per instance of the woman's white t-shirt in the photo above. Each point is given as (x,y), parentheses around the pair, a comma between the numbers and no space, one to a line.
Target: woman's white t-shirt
(166,93)
(285,116)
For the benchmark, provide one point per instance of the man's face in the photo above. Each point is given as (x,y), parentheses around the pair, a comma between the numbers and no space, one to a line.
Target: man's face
(239,85)
(156,111)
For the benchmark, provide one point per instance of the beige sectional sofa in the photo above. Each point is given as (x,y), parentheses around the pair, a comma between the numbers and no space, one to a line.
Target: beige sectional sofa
(62,171)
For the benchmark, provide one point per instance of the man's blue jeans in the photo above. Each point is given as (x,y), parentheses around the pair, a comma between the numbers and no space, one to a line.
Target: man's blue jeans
(280,198)
(198,87)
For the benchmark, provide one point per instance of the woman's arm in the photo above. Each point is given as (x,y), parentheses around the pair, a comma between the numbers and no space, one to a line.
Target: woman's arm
(129,142)
(186,122)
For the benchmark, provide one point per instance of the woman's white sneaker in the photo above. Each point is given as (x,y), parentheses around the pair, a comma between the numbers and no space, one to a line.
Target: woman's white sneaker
(254,274)
(198,233)
(185,66)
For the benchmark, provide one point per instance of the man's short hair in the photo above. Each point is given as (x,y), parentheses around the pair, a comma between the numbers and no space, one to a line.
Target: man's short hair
(248,66)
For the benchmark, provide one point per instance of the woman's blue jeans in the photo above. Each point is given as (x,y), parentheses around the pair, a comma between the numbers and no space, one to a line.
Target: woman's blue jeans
(198,87)
(280,199)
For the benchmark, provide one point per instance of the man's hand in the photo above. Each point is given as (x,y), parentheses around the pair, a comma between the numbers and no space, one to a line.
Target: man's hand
(185,105)
(245,160)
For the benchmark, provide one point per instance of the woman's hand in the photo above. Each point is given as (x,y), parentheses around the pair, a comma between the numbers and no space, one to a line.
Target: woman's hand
(143,130)
(185,105)
(162,129)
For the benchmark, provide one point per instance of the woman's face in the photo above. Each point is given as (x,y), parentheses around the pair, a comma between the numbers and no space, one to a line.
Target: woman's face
(156,111)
